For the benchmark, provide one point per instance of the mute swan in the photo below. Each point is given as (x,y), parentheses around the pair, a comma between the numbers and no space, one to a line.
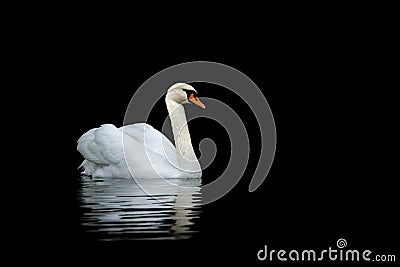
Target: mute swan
(148,153)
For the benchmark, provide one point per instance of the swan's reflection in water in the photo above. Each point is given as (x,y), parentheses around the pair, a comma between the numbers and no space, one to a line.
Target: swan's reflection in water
(118,209)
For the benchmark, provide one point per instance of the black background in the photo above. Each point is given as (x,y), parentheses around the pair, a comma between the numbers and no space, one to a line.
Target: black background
(332,96)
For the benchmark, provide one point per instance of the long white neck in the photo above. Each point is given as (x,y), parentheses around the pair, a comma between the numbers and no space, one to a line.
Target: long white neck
(186,157)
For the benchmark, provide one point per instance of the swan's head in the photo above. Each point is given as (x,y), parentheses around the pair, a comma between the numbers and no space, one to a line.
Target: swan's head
(183,93)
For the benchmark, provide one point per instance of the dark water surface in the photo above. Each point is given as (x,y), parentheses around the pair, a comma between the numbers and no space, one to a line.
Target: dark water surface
(119,209)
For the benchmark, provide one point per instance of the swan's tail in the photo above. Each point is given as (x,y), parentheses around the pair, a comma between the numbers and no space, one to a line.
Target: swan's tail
(81,166)
(87,168)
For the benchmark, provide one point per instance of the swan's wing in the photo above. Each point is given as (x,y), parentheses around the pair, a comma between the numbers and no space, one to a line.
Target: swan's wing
(102,146)
(149,154)
(153,139)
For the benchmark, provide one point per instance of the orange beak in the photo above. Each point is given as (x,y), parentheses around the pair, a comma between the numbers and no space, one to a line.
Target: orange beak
(195,100)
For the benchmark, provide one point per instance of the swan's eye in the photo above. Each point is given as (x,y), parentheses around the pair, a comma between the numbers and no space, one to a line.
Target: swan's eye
(189,93)
(193,96)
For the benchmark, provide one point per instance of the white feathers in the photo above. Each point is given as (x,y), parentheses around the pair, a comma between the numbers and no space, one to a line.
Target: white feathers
(139,150)
(102,146)
(149,153)
(152,139)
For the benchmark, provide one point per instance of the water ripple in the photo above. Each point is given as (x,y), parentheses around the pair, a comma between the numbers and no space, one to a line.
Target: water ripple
(118,209)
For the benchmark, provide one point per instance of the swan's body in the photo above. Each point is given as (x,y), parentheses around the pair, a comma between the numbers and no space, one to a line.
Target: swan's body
(140,151)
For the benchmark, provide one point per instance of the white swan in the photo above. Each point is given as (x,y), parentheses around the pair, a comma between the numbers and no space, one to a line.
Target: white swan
(148,153)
